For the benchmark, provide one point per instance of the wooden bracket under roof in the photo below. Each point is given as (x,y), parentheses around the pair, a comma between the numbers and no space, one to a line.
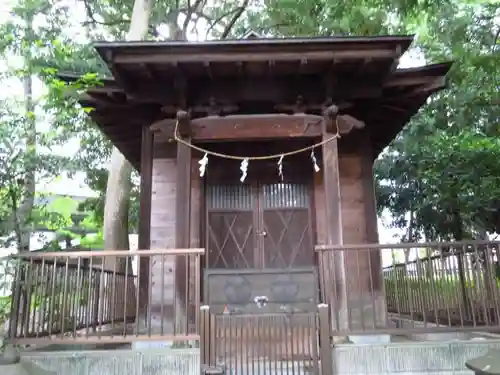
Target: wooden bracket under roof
(236,79)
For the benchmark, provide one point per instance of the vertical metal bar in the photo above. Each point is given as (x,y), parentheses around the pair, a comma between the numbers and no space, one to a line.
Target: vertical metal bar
(421,283)
(243,360)
(102,294)
(150,295)
(162,292)
(89,310)
(97,290)
(446,296)
(16,299)
(335,298)
(359,291)
(434,283)
(481,286)
(113,295)
(468,298)
(251,338)
(64,296)
(52,297)
(205,334)
(197,291)
(73,296)
(324,340)
(232,341)
(175,290)
(187,266)
(495,309)
(372,288)
(45,277)
(78,295)
(396,291)
(213,339)
(125,297)
(37,299)
(28,298)
(137,294)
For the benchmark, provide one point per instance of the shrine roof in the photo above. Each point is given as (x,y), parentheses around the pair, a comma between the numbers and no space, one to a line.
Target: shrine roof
(256,75)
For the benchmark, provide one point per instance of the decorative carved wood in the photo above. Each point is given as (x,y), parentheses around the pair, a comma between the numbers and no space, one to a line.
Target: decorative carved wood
(341,123)
(183,123)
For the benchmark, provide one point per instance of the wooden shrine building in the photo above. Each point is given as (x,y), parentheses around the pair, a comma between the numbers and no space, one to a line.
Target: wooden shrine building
(252,98)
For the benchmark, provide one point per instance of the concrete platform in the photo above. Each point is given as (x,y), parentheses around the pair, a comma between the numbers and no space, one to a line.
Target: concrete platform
(402,358)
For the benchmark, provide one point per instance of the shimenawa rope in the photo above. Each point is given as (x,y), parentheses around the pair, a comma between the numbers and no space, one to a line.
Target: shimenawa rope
(249,158)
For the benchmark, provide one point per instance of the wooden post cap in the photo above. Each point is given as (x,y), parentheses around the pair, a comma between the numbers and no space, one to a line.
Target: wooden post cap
(488,364)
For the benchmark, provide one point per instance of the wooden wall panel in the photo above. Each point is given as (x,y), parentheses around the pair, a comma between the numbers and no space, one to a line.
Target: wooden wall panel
(163,237)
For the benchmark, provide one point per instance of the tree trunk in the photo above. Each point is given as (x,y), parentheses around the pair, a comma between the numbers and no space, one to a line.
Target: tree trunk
(118,184)
(116,206)
(117,203)
(26,206)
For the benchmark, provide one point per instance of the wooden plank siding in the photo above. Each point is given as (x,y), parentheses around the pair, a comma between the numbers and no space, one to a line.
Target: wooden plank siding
(163,229)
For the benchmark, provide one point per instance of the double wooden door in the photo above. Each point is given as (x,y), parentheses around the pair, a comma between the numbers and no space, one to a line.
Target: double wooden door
(262,223)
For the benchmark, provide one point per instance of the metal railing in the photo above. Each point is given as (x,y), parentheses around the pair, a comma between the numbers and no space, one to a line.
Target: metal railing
(415,287)
(104,296)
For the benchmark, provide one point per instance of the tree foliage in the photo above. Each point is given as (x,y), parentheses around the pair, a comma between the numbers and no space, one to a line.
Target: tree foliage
(440,178)
(442,163)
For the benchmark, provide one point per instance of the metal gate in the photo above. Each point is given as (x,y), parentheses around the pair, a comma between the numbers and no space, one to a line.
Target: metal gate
(265,344)
(264,322)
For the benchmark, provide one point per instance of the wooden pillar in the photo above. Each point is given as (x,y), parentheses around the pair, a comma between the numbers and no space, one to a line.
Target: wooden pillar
(369,190)
(336,279)
(374,262)
(183,231)
(145,213)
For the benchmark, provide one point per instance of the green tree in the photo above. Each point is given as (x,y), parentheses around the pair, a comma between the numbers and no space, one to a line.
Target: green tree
(443,168)
(25,141)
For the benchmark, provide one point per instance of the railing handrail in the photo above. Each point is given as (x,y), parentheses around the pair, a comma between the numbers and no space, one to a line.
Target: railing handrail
(75,266)
(407,245)
(101,253)
(442,256)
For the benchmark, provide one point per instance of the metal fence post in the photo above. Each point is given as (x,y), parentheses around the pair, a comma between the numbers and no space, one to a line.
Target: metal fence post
(325,349)
(205,335)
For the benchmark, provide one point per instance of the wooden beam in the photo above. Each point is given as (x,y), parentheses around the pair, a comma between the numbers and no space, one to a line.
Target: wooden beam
(263,89)
(145,211)
(234,56)
(236,127)
(401,79)
(430,87)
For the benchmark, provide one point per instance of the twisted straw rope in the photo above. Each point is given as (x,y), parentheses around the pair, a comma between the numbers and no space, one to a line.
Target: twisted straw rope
(264,157)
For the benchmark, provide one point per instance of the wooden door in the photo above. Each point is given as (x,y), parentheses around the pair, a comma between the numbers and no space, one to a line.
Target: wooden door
(258,224)
(285,219)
